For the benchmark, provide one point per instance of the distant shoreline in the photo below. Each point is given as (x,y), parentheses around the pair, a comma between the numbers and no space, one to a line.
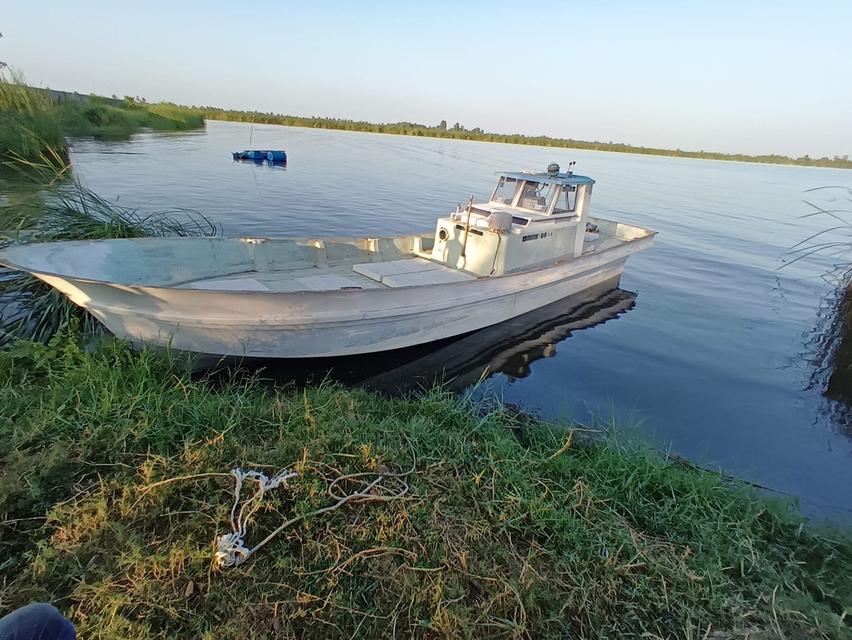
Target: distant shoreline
(653,155)
(462,133)
(454,132)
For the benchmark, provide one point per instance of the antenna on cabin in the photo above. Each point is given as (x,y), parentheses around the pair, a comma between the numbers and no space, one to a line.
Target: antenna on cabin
(570,171)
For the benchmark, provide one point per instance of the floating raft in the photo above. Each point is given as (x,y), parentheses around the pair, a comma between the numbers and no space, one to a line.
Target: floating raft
(259,155)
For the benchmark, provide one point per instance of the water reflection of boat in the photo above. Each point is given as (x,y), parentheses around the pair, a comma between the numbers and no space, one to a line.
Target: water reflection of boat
(510,348)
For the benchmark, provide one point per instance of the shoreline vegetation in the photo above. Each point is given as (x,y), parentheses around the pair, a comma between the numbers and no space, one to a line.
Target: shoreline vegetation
(114,483)
(33,310)
(459,132)
(35,123)
(43,113)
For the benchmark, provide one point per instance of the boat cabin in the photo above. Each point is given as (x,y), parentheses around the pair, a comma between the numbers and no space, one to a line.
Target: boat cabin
(530,218)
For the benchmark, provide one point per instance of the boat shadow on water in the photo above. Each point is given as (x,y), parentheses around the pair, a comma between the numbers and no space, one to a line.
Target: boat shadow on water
(510,348)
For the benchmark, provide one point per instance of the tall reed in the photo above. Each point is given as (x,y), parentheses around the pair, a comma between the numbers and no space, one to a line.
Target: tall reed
(30,309)
(29,120)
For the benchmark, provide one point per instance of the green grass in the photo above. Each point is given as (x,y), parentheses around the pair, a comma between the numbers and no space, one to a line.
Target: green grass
(33,125)
(507,530)
(32,310)
(96,118)
(166,116)
(29,122)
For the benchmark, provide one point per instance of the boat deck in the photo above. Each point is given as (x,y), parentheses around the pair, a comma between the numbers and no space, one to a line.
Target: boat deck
(599,242)
(416,270)
(343,277)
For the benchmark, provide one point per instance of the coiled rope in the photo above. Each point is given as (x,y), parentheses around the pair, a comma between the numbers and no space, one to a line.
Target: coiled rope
(231,550)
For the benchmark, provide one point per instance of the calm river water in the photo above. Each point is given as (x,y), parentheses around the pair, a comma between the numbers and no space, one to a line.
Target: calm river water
(708,349)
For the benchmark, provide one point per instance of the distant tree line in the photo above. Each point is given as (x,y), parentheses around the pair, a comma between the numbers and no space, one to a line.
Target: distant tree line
(459,132)
(170,115)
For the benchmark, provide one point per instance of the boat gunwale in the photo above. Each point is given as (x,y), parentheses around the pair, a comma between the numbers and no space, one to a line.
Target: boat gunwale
(649,235)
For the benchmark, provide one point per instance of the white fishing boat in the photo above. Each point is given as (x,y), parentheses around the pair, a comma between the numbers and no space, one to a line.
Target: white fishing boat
(532,243)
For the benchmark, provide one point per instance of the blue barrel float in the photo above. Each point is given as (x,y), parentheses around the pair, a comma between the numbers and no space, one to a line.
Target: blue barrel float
(276,156)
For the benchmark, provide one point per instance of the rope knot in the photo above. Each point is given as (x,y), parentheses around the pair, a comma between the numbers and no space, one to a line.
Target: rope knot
(231,551)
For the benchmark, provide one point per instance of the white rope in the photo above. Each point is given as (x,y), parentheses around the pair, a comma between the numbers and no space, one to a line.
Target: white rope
(231,550)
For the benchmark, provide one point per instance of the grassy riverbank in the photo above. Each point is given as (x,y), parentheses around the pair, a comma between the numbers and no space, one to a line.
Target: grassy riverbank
(504,528)
(100,119)
(33,124)
(29,121)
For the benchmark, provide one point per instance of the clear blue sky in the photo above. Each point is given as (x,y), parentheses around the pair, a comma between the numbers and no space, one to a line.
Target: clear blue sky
(746,76)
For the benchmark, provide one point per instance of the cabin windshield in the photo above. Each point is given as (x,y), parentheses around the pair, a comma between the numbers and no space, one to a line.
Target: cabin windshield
(504,193)
(567,201)
(536,196)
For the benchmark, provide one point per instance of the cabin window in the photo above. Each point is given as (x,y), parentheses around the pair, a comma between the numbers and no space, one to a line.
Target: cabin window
(505,191)
(567,202)
(536,196)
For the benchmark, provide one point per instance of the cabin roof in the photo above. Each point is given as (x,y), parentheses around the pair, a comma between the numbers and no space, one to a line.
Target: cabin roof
(546,178)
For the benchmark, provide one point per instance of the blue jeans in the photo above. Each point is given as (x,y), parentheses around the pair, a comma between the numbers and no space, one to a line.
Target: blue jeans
(36,621)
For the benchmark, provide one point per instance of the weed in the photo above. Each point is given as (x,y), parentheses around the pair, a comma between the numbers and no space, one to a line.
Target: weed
(33,310)
(494,538)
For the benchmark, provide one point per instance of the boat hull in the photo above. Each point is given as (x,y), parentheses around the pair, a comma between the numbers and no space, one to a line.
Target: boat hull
(333,323)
